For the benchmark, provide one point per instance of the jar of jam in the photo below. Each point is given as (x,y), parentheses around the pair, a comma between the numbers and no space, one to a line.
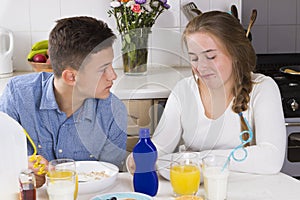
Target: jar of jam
(27,185)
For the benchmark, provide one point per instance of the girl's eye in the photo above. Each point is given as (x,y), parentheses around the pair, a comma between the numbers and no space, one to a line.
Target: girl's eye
(210,57)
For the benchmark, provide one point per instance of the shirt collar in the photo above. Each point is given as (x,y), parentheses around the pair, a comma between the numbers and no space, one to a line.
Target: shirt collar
(48,100)
(89,108)
(86,111)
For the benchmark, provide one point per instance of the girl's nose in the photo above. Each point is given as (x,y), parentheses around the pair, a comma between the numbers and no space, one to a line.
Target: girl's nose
(202,64)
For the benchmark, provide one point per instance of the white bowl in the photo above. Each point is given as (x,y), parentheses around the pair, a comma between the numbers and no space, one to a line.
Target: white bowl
(89,182)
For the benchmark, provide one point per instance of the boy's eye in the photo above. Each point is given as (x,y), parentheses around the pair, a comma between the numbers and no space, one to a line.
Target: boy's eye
(194,58)
(102,69)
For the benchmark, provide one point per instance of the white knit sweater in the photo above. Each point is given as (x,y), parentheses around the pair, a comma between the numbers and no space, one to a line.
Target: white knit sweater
(184,118)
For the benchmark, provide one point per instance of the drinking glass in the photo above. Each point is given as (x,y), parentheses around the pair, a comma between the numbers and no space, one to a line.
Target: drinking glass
(185,173)
(62,180)
(215,173)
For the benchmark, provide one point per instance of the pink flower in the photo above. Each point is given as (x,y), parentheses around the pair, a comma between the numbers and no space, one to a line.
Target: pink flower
(136,8)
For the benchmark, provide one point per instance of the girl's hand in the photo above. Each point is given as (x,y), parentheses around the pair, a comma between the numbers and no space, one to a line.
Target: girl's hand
(130,164)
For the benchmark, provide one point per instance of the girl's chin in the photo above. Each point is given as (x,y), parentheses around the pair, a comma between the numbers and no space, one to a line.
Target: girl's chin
(212,84)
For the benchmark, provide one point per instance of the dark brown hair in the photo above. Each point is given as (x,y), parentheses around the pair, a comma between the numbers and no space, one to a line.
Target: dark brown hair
(74,38)
(231,34)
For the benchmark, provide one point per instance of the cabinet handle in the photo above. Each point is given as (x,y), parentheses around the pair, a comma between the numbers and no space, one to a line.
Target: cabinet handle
(292,124)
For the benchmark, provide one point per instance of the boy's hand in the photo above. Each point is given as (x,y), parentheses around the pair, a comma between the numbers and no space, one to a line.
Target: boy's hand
(40,178)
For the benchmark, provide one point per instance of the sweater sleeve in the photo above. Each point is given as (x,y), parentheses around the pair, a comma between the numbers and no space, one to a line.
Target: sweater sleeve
(267,155)
(168,132)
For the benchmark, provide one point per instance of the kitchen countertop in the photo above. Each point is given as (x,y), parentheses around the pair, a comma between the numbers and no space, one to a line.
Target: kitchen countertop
(157,84)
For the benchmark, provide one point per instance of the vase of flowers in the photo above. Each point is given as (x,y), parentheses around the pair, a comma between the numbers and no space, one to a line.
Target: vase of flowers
(134,21)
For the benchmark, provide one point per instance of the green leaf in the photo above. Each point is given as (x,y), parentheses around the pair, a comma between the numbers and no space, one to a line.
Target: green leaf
(127,38)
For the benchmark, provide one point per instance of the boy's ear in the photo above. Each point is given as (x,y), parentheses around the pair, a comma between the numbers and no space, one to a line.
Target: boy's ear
(68,75)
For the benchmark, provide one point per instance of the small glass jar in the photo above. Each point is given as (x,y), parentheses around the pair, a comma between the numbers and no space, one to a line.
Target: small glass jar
(27,185)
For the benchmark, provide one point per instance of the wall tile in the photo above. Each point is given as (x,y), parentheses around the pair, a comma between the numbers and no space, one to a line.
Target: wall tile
(226,6)
(117,62)
(15,17)
(22,44)
(220,5)
(298,11)
(262,11)
(203,6)
(38,36)
(207,5)
(282,12)
(169,18)
(298,40)
(99,10)
(70,8)
(282,39)
(166,51)
(184,57)
(260,39)
(43,14)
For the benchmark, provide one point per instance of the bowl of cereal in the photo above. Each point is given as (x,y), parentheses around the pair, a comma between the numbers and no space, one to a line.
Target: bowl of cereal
(94,176)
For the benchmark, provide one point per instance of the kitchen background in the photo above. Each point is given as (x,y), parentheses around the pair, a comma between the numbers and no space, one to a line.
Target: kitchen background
(276,30)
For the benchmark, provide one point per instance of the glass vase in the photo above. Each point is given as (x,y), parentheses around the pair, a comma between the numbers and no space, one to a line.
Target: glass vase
(135,51)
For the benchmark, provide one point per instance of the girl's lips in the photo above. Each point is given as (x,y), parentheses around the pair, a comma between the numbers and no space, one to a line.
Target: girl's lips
(205,76)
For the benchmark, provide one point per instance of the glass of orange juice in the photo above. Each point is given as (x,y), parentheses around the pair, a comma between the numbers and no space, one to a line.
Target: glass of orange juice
(185,173)
(62,179)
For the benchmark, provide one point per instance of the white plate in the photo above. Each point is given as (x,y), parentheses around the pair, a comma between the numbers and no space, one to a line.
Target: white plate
(123,195)
(91,183)
(163,164)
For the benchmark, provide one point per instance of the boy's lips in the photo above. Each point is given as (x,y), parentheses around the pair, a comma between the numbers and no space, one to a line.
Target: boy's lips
(108,87)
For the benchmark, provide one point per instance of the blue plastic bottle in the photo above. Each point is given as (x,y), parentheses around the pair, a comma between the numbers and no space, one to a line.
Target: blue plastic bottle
(145,178)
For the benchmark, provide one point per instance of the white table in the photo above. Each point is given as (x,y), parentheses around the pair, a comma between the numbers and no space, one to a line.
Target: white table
(240,186)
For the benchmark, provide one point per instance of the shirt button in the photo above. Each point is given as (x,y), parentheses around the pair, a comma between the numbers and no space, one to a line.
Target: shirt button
(91,156)
(60,151)
(39,146)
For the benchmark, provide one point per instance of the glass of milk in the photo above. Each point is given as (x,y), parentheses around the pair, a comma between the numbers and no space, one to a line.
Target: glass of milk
(215,175)
(62,180)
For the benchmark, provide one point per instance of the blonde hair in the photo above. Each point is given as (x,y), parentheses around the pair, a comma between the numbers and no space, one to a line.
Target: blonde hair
(232,35)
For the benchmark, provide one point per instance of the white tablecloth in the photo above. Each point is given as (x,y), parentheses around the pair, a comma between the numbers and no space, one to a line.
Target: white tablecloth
(240,186)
